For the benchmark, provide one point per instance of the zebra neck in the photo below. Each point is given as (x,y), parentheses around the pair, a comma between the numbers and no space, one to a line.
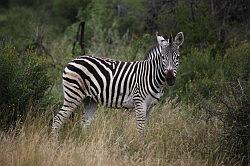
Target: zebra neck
(160,80)
(153,52)
(151,70)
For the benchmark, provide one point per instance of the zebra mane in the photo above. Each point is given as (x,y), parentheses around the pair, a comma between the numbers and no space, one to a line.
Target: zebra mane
(151,48)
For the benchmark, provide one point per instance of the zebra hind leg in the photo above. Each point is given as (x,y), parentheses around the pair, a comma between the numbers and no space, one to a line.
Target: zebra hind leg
(60,118)
(90,107)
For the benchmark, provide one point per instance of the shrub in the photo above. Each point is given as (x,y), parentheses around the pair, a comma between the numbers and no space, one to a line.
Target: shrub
(68,9)
(7,67)
(234,96)
(24,26)
(220,89)
(236,136)
(24,83)
(200,73)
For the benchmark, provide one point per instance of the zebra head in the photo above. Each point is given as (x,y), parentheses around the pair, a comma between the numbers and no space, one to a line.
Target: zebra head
(170,54)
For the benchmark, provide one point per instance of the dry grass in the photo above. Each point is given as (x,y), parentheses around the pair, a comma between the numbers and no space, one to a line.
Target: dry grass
(174,137)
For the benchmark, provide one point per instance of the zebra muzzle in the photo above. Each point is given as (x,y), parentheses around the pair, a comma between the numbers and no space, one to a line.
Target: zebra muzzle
(170,78)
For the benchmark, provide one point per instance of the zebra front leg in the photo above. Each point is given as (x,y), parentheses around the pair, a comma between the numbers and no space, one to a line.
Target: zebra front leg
(90,107)
(141,117)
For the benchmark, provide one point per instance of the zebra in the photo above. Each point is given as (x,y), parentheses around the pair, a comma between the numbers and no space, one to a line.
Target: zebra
(134,85)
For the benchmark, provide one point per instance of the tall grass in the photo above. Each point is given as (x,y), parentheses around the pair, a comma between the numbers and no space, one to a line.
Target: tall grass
(175,137)
(179,135)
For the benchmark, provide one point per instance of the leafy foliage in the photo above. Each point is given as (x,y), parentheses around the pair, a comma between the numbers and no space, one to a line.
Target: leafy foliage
(24,82)
(220,89)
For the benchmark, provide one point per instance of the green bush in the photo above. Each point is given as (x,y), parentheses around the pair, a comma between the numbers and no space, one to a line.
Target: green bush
(68,9)
(237,62)
(197,23)
(199,73)
(8,65)
(23,25)
(29,3)
(104,20)
(236,117)
(234,97)
(220,89)
(23,83)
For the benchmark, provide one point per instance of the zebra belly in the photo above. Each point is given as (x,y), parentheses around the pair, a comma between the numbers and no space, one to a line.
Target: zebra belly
(128,103)
(115,102)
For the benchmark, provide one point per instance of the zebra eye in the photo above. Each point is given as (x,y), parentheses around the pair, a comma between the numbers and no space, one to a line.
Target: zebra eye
(177,57)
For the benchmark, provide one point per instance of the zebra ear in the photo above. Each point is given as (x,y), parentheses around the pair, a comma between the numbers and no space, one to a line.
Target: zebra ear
(161,41)
(179,38)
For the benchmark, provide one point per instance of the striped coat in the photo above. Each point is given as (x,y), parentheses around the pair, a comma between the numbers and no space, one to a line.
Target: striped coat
(117,84)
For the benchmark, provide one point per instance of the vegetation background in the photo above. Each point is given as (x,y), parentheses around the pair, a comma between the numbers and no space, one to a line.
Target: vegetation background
(203,120)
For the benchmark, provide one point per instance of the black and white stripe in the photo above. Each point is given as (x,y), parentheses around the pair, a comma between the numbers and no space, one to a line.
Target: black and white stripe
(117,84)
